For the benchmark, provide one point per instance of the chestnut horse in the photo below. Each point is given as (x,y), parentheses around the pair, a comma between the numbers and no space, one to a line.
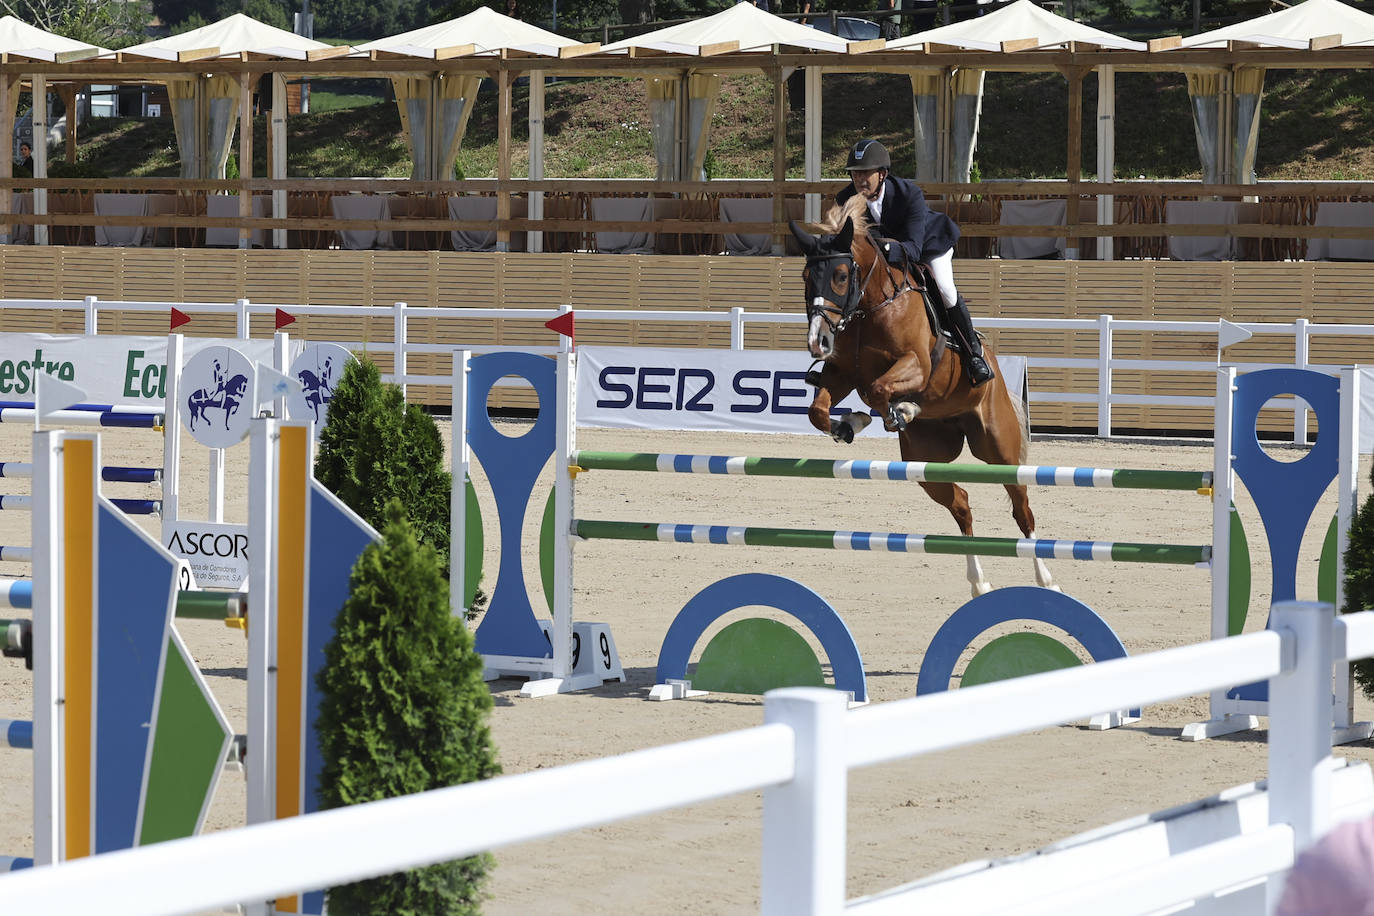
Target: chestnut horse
(869,326)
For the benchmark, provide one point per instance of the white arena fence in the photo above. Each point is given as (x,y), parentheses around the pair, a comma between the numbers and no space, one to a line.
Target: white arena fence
(1104,364)
(800,758)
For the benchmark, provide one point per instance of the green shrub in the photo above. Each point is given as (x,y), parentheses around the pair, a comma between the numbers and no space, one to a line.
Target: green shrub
(1359,580)
(376,448)
(404,709)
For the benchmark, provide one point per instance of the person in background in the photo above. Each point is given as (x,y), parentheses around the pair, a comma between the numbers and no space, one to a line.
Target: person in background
(908,231)
(1335,876)
(24,167)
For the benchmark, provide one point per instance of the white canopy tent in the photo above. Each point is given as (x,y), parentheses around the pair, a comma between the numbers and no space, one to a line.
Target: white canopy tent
(681,104)
(204,107)
(435,107)
(1226,100)
(18,39)
(948,102)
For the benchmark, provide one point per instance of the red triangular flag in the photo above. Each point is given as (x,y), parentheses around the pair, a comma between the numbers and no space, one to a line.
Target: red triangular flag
(563,324)
(178,319)
(284,318)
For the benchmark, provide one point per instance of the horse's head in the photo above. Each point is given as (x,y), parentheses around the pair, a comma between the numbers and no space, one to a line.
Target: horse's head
(836,261)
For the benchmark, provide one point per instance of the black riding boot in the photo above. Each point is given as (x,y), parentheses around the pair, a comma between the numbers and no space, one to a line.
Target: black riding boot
(962,325)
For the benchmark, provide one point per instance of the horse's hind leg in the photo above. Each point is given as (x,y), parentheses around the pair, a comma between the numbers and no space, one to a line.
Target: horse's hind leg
(955,498)
(1025,520)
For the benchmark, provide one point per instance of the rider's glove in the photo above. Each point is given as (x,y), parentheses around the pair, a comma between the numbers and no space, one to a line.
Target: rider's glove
(892,250)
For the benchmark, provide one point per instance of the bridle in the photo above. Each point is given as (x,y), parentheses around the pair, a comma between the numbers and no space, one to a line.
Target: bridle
(847,307)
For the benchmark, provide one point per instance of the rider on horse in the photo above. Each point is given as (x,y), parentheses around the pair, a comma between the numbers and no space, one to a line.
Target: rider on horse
(910,232)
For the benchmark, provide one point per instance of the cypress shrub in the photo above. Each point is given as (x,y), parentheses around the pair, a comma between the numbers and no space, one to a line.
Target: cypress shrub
(1359,580)
(404,710)
(376,448)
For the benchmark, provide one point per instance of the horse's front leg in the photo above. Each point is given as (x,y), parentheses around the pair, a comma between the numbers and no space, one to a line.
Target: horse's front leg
(831,388)
(893,393)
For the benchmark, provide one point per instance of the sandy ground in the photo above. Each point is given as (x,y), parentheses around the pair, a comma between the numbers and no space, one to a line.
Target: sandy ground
(906,819)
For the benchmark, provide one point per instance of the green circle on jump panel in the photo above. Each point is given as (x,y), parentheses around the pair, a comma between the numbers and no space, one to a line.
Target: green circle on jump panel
(1016,655)
(472,552)
(757,655)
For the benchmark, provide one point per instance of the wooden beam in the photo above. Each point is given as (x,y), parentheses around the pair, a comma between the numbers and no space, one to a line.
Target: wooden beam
(864,47)
(197,54)
(328,53)
(1323,42)
(720,47)
(1170,43)
(1020,44)
(455,51)
(570,51)
(1075,150)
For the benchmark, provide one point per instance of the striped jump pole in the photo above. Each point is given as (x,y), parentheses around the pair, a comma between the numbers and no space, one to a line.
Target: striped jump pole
(16,733)
(16,593)
(916,471)
(110,418)
(24,470)
(1028,548)
(127,506)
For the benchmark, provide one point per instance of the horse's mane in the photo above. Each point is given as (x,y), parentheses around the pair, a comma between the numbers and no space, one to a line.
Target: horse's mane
(856,208)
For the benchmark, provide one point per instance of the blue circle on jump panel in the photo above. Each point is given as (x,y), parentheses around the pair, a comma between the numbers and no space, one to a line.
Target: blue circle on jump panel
(1285,492)
(763,590)
(1004,605)
(509,626)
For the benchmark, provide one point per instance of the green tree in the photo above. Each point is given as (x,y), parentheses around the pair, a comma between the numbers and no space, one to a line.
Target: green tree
(1359,580)
(376,448)
(105,23)
(404,709)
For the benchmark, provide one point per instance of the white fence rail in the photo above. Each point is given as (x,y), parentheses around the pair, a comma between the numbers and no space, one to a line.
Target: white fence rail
(800,758)
(1104,364)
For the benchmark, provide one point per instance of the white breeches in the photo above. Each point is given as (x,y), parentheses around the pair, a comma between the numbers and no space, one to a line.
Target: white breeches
(942,272)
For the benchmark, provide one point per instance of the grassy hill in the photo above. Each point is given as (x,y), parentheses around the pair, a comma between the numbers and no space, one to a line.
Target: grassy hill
(1315,126)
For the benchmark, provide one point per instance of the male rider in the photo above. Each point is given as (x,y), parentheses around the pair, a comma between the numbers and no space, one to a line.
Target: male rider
(908,230)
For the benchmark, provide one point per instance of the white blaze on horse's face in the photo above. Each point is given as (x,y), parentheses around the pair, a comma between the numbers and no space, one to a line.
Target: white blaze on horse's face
(820,340)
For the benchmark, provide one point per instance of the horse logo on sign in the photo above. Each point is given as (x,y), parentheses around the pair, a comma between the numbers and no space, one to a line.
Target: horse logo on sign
(319,369)
(219,407)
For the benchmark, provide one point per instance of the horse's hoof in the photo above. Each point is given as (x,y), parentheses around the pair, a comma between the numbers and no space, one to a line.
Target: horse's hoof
(842,432)
(981,588)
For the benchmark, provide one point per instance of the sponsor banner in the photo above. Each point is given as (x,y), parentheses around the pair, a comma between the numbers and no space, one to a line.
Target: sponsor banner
(216,553)
(729,390)
(112,370)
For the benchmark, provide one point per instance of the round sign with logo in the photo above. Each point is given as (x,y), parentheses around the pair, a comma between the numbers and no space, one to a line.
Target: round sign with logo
(218,396)
(318,369)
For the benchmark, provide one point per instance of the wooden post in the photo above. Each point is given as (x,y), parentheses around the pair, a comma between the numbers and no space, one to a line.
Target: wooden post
(68,93)
(1075,152)
(245,154)
(276,154)
(503,152)
(39,84)
(779,153)
(8,92)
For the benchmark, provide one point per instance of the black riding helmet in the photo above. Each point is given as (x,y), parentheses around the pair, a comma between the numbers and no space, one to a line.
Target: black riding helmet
(868,155)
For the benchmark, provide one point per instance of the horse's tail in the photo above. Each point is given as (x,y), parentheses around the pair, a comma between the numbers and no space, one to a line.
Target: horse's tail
(1023,423)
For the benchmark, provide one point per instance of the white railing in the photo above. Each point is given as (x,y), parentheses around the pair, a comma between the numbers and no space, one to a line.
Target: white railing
(800,758)
(1104,364)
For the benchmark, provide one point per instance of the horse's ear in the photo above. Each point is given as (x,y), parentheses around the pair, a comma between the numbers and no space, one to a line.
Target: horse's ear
(846,235)
(806,240)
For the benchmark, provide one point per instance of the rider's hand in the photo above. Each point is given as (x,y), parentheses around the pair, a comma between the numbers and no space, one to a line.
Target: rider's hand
(891,249)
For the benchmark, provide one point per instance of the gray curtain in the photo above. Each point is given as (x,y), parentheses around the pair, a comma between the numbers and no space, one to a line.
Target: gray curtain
(925,99)
(968,109)
(1204,94)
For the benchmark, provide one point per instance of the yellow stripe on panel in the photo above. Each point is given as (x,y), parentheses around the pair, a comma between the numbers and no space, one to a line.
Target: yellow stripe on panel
(78,518)
(293,476)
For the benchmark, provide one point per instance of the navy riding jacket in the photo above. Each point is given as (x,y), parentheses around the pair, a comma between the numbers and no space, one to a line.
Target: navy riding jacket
(923,232)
